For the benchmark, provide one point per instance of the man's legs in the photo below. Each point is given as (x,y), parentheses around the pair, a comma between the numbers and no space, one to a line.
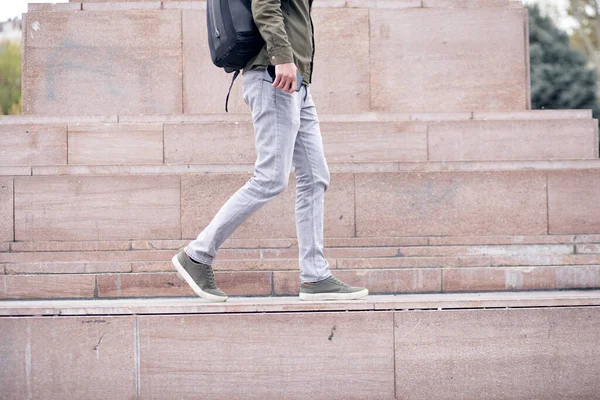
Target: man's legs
(312,180)
(276,117)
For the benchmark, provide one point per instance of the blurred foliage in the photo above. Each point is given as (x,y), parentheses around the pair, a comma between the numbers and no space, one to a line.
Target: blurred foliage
(586,34)
(10,78)
(560,78)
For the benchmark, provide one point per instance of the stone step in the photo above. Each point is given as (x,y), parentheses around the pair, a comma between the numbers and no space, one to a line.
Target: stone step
(287,282)
(277,277)
(409,59)
(288,304)
(381,347)
(350,167)
(415,245)
(527,115)
(278,259)
(140,143)
(77,4)
(362,204)
(65,253)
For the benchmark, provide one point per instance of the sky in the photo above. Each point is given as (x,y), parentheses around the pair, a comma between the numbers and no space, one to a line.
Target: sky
(557,9)
(14,8)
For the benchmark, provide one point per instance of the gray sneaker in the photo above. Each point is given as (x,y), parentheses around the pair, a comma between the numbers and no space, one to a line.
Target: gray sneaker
(200,277)
(331,289)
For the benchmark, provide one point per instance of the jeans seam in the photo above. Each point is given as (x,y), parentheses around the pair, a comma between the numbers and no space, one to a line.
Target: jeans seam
(312,204)
(260,97)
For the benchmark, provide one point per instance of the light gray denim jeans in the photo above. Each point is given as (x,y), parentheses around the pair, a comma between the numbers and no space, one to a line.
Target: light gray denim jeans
(287,133)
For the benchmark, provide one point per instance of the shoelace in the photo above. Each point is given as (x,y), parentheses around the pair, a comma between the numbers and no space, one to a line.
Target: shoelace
(210,275)
(336,280)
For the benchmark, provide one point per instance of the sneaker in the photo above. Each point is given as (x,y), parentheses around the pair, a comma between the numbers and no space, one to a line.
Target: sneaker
(200,277)
(331,288)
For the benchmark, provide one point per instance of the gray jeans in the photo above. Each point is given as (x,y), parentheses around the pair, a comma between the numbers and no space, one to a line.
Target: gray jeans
(286,133)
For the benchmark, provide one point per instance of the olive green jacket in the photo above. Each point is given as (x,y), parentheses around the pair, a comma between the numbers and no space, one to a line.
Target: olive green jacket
(288,33)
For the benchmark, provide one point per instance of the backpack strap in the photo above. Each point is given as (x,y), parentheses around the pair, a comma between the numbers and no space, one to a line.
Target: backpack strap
(285,6)
(235,75)
(248,4)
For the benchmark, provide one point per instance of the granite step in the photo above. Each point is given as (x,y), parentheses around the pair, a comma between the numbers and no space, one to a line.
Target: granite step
(114,71)
(291,304)
(345,139)
(115,205)
(379,347)
(321,3)
(83,279)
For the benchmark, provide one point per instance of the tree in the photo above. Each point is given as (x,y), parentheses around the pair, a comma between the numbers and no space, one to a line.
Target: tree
(559,76)
(587,33)
(10,78)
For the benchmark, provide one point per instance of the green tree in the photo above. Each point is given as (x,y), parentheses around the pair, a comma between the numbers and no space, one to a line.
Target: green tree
(586,35)
(559,76)
(10,78)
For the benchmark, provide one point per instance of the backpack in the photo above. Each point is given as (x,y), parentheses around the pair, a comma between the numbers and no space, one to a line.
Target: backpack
(233,37)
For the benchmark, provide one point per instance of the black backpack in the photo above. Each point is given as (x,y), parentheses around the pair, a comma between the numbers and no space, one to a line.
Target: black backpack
(233,38)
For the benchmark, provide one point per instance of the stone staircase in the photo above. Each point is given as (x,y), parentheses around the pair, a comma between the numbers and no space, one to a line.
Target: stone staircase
(471,218)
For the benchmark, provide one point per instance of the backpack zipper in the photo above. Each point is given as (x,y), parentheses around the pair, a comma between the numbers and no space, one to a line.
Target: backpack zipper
(212,7)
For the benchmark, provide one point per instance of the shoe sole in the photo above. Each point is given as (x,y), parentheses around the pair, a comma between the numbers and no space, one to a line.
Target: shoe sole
(334,296)
(190,281)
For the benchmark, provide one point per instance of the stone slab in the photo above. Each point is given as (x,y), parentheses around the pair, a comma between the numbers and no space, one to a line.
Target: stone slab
(202,80)
(35,144)
(222,142)
(247,283)
(234,142)
(195,4)
(197,305)
(67,246)
(384,3)
(201,200)
(465,3)
(334,167)
(501,239)
(6,209)
(74,65)
(12,171)
(515,353)
(97,208)
(534,114)
(407,261)
(522,278)
(121,6)
(72,6)
(512,140)
(57,358)
(365,116)
(387,141)
(92,144)
(21,119)
(329,242)
(340,85)
(86,255)
(81,267)
(461,203)
(204,85)
(474,250)
(544,259)
(590,248)
(572,199)
(268,356)
(441,63)
(46,286)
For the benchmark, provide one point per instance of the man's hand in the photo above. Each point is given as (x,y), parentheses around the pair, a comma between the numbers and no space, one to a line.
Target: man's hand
(285,77)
